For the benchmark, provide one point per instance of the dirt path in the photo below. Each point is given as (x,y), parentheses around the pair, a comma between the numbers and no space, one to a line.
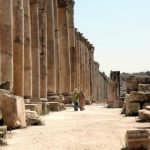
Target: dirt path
(96,128)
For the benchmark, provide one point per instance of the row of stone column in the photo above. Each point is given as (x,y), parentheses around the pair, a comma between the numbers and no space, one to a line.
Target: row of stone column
(42,54)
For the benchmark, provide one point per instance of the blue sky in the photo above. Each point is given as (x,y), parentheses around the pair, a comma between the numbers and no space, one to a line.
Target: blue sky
(119,30)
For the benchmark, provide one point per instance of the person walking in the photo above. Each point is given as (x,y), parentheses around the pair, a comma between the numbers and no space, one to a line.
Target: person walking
(75,99)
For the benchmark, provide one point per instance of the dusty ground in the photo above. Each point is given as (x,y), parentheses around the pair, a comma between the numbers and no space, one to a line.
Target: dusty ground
(96,128)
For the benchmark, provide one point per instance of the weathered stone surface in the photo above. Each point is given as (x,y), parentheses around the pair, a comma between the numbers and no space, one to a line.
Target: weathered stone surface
(137,139)
(139,96)
(13,110)
(132,108)
(5,85)
(54,106)
(145,105)
(62,106)
(144,115)
(45,106)
(3,131)
(34,107)
(32,118)
(118,104)
(144,87)
(126,99)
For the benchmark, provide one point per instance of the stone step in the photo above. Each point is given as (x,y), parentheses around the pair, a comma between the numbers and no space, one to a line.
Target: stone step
(144,115)
(137,139)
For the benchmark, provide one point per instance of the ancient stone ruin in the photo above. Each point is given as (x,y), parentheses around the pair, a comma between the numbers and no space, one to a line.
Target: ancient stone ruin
(43,58)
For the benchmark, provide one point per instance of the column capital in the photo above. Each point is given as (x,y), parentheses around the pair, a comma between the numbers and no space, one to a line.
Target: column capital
(70,3)
(62,3)
(33,2)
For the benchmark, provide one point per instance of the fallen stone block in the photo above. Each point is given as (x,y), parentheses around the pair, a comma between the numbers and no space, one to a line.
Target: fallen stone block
(139,96)
(34,107)
(147,108)
(145,105)
(137,139)
(132,108)
(144,115)
(109,105)
(118,104)
(3,131)
(13,110)
(32,118)
(144,87)
(54,106)
(62,106)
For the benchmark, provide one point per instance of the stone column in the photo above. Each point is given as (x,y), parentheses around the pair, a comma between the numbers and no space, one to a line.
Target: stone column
(65,67)
(35,51)
(71,30)
(91,53)
(88,68)
(81,61)
(27,51)
(43,49)
(51,65)
(57,57)
(6,37)
(18,47)
(115,76)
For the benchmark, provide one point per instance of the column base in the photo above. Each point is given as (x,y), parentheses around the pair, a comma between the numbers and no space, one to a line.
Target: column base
(67,97)
(53,97)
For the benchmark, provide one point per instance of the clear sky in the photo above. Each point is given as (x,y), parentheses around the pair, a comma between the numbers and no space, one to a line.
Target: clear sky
(119,31)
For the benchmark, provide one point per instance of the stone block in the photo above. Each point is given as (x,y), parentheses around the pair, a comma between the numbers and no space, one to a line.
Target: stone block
(118,104)
(147,108)
(54,106)
(137,139)
(139,96)
(144,115)
(45,107)
(62,106)
(132,108)
(144,87)
(13,110)
(110,105)
(32,118)
(34,107)
(145,105)
(3,131)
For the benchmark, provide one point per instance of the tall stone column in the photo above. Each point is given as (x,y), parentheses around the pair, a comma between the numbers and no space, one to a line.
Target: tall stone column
(65,70)
(6,37)
(18,47)
(91,53)
(27,51)
(88,68)
(81,61)
(43,48)
(71,30)
(35,51)
(57,57)
(51,51)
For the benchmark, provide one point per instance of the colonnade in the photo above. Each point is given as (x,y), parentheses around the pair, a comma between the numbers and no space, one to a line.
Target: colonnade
(42,54)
